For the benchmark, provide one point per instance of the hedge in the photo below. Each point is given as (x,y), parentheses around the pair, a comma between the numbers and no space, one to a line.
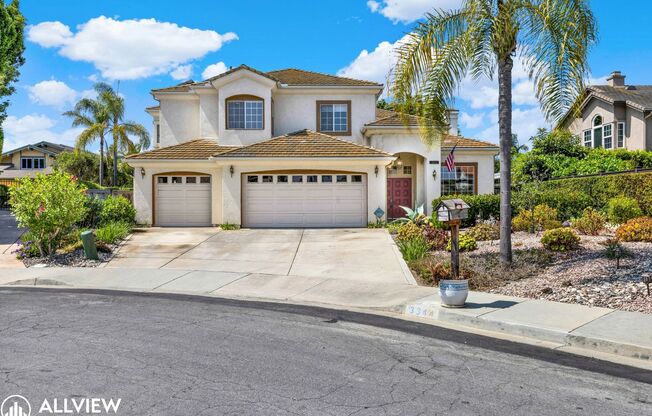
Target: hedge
(480,206)
(600,189)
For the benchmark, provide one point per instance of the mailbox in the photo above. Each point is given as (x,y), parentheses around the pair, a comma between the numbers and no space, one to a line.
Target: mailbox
(452,210)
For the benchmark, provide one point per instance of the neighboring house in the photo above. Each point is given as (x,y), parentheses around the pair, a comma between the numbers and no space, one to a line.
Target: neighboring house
(30,159)
(614,116)
(292,148)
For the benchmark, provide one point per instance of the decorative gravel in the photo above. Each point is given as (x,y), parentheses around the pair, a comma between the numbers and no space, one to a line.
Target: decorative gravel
(73,259)
(585,276)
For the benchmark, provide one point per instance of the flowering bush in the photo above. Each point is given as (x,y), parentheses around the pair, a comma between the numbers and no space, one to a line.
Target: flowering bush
(591,222)
(638,229)
(408,231)
(48,206)
(467,243)
(560,239)
(484,232)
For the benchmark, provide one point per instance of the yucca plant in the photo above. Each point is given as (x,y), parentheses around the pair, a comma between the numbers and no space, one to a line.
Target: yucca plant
(551,37)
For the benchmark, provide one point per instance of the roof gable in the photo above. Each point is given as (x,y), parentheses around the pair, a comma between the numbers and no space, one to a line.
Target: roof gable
(304,144)
(300,77)
(46,147)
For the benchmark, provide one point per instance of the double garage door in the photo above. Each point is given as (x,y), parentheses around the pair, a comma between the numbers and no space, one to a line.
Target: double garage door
(310,199)
(183,201)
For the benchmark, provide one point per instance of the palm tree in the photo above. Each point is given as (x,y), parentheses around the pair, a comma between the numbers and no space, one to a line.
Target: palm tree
(552,38)
(121,130)
(94,117)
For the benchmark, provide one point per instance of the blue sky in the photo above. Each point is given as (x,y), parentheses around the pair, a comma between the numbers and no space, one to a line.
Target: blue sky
(145,44)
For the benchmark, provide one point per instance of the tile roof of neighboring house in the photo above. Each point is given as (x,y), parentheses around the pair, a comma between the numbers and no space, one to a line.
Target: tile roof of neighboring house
(182,87)
(299,77)
(466,143)
(304,143)
(637,96)
(193,149)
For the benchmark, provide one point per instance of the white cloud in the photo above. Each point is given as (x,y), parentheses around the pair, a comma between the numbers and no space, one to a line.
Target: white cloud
(471,121)
(129,49)
(33,128)
(214,70)
(182,72)
(407,11)
(52,93)
(525,123)
(374,65)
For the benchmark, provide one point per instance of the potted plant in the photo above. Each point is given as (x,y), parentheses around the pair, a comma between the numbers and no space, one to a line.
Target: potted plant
(453,293)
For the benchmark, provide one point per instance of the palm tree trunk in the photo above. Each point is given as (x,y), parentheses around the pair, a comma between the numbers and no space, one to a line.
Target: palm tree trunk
(115,162)
(505,127)
(102,160)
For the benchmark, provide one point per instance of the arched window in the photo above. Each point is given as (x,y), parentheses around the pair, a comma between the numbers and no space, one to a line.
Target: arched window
(597,121)
(244,112)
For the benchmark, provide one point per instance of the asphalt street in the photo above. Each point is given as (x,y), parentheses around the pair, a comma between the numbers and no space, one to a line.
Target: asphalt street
(175,355)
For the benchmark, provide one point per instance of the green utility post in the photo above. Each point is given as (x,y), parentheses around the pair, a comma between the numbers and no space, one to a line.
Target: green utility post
(88,240)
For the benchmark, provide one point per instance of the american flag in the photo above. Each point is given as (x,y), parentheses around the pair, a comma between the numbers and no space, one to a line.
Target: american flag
(450,160)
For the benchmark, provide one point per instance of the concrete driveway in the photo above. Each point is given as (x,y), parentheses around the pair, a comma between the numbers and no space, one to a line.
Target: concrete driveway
(9,235)
(368,255)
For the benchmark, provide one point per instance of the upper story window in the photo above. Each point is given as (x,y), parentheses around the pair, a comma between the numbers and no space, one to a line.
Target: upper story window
(32,163)
(334,117)
(245,112)
(601,134)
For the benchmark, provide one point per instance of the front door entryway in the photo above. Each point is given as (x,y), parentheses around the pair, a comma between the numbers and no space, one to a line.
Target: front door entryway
(399,193)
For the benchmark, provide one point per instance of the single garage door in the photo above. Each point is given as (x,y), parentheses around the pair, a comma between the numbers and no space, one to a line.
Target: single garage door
(183,201)
(304,200)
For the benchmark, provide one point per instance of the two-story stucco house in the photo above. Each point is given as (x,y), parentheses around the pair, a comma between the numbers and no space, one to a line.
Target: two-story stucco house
(30,159)
(292,148)
(614,116)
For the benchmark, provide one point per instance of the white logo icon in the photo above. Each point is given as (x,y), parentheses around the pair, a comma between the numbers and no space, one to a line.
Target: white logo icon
(15,405)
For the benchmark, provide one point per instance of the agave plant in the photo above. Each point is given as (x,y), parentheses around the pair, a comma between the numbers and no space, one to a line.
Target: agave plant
(416,216)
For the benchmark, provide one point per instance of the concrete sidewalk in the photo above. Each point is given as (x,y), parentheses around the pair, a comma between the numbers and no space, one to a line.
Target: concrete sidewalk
(558,325)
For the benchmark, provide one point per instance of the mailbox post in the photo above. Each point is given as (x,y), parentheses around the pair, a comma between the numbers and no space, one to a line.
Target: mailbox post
(452,212)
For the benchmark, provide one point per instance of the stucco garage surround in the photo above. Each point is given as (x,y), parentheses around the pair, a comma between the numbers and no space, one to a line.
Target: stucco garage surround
(226,188)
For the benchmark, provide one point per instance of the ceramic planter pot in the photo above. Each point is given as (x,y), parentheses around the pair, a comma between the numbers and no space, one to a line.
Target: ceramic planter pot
(453,293)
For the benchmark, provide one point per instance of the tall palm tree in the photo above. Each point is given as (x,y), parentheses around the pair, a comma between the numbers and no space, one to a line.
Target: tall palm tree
(94,117)
(552,38)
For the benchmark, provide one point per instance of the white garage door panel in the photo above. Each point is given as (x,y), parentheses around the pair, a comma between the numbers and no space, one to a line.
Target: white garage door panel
(186,204)
(305,204)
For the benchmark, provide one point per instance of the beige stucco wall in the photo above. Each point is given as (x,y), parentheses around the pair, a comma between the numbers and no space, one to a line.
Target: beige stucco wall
(179,118)
(637,136)
(208,114)
(296,109)
(485,161)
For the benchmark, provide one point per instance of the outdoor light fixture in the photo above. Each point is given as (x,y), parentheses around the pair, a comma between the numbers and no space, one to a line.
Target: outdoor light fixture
(142,172)
(399,161)
(376,170)
(434,174)
(231,170)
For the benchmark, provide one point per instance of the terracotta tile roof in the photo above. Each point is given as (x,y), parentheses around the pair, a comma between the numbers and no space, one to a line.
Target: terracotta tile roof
(304,143)
(183,87)
(193,149)
(299,77)
(465,142)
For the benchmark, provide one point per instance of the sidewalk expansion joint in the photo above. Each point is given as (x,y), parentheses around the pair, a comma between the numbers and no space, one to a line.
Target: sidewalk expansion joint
(178,277)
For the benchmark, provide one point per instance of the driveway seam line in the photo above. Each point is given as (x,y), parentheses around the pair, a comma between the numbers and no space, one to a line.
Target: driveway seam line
(310,288)
(178,277)
(192,248)
(303,230)
(233,281)
(592,320)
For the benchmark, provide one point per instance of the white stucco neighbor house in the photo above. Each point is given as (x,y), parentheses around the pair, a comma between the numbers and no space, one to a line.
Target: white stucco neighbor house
(292,148)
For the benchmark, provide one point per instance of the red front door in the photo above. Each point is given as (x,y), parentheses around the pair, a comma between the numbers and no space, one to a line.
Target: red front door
(399,193)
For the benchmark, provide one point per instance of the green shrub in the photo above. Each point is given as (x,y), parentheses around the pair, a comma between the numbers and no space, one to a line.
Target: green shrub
(26,247)
(484,232)
(545,218)
(560,239)
(413,248)
(481,207)
(393,227)
(229,227)
(48,206)
(112,232)
(408,231)
(467,243)
(637,229)
(435,237)
(117,209)
(93,207)
(592,222)
(4,195)
(623,209)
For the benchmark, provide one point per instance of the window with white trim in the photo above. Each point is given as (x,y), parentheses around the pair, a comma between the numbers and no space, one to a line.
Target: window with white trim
(607,136)
(32,163)
(620,135)
(244,114)
(588,140)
